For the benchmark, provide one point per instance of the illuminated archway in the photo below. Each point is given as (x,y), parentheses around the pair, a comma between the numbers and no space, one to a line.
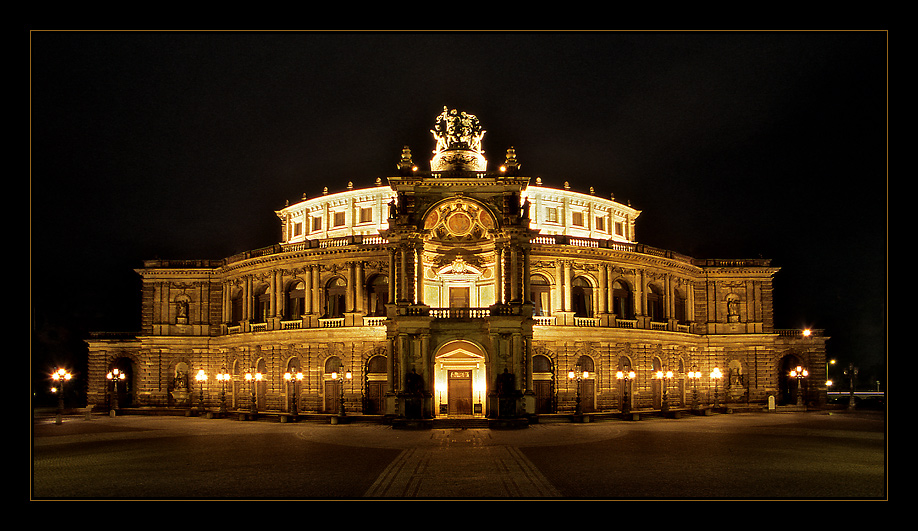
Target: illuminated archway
(460,378)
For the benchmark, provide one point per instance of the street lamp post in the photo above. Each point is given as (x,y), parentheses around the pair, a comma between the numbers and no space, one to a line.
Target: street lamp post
(578,374)
(694,376)
(115,376)
(60,376)
(851,373)
(625,378)
(799,373)
(340,377)
(664,377)
(295,379)
(201,377)
(716,375)
(223,377)
(253,377)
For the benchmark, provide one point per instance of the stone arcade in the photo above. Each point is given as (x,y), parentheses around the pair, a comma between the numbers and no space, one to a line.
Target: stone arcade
(461,291)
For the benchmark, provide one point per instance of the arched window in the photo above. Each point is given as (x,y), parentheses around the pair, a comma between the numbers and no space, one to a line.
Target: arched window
(333,364)
(582,297)
(586,364)
(655,306)
(377,365)
(335,297)
(377,295)
(296,300)
(235,316)
(679,307)
(262,303)
(541,363)
(622,305)
(540,293)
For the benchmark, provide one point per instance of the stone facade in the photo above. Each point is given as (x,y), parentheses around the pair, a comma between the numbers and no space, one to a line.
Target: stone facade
(457,291)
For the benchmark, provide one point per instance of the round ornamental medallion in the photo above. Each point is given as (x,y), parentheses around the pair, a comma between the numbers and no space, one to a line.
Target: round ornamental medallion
(432,219)
(459,223)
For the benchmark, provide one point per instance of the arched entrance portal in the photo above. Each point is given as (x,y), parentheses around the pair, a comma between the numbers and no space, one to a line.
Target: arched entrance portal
(460,379)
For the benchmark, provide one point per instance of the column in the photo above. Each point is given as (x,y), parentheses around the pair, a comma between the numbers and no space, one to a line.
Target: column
(402,273)
(392,275)
(359,282)
(567,286)
(603,294)
(498,274)
(316,289)
(527,292)
(514,274)
(558,302)
(419,273)
(226,296)
(349,292)
(247,299)
(307,291)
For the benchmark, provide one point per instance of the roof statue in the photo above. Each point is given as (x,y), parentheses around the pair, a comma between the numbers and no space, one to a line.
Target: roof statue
(458,135)
(457,130)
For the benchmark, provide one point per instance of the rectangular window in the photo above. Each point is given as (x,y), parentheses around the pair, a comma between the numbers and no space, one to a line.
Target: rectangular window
(551,215)
(316,223)
(600,223)
(339,219)
(619,228)
(577,219)
(366,215)
(297,229)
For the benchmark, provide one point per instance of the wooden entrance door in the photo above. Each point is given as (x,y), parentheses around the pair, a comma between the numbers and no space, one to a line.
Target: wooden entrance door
(376,396)
(543,396)
(459,392)
(332,396)
(459,297)
(587,390)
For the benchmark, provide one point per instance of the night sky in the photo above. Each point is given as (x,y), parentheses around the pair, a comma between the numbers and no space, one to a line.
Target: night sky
(733,144)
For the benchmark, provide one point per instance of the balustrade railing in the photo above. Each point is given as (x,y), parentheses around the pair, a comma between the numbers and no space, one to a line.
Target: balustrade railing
(460,313)
(333,322)
(478,313)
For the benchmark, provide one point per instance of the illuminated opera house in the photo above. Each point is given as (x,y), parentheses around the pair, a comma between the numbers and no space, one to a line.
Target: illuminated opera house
(462,291)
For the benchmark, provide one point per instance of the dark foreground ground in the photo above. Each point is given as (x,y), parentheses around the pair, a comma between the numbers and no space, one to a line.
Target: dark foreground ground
(760,456)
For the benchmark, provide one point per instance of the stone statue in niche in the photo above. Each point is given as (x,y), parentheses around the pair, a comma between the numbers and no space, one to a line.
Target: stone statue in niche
(733,309)
(414,395)
(180,385)
(414,383)
(506,395)
(506,384)
(181,312)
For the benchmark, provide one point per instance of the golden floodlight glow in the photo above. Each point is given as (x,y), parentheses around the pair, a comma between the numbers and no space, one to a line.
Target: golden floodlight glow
(201,376)
(716,374)
(807,332)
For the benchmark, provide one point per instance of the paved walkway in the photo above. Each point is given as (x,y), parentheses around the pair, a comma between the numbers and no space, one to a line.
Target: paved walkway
(719,456)
(486,471)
